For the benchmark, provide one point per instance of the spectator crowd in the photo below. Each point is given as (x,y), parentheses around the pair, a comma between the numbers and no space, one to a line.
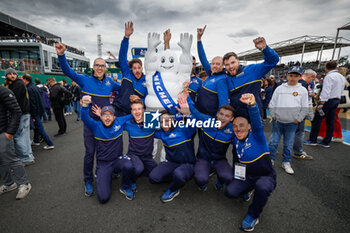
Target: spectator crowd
(241,98)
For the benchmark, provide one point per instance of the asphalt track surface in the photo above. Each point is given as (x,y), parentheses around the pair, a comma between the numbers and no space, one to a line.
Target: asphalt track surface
(314,199)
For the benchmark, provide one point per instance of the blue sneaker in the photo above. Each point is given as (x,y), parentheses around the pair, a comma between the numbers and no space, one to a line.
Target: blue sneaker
(89,191)
(218,185)
(129,194)
(310,143)
(169,195)
(203,188)
(133,187)
(249,223)
(323,144)
(247,196)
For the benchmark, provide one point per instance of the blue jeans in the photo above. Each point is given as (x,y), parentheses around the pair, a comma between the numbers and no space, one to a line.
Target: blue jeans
(288,132)
(10,166)
(67,108)
(76,107)
(22,140)
(47,114)
(40,131)
(299,139)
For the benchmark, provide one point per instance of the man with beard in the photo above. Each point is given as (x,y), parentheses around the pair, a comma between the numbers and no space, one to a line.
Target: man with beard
(213,144)
(22,136)
(247,79)
(133,78)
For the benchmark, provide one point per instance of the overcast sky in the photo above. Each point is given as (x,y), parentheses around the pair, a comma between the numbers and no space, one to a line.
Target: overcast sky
(231,25)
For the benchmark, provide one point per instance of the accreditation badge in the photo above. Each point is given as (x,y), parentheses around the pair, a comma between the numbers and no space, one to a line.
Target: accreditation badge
(240,171)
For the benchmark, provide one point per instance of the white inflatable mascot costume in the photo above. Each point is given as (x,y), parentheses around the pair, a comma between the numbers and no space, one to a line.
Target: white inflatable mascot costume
(165,73)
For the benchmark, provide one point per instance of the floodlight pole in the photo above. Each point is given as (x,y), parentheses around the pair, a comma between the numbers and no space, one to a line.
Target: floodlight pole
(302,55)
(335,44)
(339,53)
(99,45)
(319,64)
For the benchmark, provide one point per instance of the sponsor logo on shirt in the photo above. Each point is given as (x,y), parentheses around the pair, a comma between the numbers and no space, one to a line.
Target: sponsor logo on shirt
(228,131)
(295,93)
(172,135)
(240,74)
(108,83)
(116,128)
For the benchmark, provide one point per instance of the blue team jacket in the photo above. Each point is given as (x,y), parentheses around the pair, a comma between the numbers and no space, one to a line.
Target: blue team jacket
(213,142)
(194,87)
(99,90)
(248,80)
(109,140)
(178,144)
(256,154)
(130,85)
(213,93)
(140,139)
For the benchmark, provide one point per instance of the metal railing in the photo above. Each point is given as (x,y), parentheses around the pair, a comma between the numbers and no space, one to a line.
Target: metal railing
(22,65)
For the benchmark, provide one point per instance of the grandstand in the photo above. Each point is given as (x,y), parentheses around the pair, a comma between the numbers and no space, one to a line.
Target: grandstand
(299,45)
(30,49)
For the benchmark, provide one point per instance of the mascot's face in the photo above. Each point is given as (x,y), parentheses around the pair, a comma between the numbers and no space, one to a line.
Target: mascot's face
(168,62)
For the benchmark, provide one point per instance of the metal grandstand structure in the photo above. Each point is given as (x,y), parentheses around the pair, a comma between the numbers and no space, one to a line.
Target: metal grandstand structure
(344,27)
(299,45)
(11,26)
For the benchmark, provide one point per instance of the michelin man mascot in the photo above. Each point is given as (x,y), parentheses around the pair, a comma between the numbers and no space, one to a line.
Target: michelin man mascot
(165,73)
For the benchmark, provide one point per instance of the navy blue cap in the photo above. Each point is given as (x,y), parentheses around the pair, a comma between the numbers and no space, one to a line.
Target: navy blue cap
(108,108)
(295,69)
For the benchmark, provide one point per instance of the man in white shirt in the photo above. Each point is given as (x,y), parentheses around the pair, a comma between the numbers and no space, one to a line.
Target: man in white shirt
(288,107)
(333,85)
(306,81)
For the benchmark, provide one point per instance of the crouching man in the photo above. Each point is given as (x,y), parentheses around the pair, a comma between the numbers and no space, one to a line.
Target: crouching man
(179,149)
(252,165)
(108,134)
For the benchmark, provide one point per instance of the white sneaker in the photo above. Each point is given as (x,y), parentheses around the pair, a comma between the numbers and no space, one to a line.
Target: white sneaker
(47,147)
(335,139)
(286,166)
(319,138)
(35,143)
(7,188)
(23,191)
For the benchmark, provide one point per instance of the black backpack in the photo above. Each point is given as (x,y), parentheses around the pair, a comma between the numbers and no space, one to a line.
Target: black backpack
(65,96)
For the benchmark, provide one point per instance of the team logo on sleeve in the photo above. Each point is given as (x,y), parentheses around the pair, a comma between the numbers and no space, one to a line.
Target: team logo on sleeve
(151,120)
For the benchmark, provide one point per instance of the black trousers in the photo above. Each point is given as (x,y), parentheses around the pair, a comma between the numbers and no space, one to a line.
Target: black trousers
(330,109)
(59,116)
